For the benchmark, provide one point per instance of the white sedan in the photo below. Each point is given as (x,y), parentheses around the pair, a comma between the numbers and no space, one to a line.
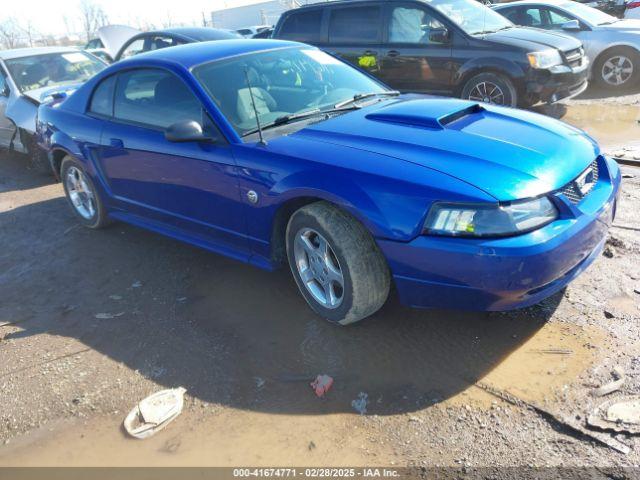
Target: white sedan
(612,44)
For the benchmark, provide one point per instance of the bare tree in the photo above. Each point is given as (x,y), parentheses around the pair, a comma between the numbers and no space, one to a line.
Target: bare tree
(168,21)
(9,33)
(29,32)
(92,17)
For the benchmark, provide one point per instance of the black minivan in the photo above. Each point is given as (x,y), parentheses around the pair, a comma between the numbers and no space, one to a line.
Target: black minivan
(447,47)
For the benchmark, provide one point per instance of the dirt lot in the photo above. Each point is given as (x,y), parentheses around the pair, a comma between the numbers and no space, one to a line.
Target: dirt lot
(244,345)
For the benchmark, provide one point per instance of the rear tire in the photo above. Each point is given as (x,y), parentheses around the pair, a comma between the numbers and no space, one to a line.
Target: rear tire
(617,68)
(346,277)
(489,87)
(82,195)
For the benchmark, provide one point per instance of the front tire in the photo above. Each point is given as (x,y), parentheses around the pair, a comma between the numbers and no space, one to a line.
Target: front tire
(617,69)
(491,88)
(336,264)
(82,195)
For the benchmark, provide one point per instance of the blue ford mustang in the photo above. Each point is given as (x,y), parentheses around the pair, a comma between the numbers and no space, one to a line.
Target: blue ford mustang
(272,152)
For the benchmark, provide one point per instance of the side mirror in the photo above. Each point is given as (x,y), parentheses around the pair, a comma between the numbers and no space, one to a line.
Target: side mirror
(571,26)
(439,35)
(186,131)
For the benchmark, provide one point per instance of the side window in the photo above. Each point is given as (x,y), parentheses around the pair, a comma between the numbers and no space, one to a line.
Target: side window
(102,98)
(154,98)
(302,26)
(557,19)
(355,25)
(412,25)
(511,14)
(532,17)
(134,48)
(156,43)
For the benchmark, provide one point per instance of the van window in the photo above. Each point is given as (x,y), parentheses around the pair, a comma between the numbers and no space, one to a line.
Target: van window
(302,26)
(355,25)
(411,25)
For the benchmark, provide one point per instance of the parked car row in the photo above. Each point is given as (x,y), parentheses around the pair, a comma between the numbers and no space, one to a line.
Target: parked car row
(516,54)
(274,152)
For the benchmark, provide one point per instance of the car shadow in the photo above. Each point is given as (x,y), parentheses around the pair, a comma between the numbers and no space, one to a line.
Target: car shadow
(230,333)
(17,173)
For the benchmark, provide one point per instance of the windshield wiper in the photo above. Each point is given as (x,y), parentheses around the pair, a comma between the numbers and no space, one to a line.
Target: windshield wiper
(362,96)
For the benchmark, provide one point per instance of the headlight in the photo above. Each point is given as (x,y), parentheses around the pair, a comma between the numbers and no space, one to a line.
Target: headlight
(545,59)
(474,220)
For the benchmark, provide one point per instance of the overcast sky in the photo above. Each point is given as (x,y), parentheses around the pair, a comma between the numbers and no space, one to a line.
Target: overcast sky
(48,16)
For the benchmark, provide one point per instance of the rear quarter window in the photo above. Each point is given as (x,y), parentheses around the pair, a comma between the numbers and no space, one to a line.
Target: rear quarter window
(302,26)
(102,98)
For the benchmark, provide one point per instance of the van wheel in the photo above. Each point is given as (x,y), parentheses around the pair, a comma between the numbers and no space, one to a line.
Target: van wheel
(336,264)
(490,88)
(617,68)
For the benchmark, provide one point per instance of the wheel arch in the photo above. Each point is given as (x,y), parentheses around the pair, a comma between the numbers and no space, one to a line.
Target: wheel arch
(502,67)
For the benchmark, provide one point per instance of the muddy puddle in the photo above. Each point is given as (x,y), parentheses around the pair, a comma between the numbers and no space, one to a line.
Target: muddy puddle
(612,125)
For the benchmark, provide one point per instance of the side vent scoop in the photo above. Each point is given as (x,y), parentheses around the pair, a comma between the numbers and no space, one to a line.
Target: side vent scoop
(427,113)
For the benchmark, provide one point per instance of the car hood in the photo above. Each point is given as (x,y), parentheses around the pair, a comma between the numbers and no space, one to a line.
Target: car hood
(113,37)
(628,26)
(509,154)
(533,39)
(40,95)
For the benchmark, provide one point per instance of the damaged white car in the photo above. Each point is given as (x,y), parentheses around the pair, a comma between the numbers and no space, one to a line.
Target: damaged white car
(29,77)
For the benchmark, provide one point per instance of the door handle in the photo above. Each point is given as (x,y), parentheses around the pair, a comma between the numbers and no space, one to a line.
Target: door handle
(393,53)
(370,53)
(116,143)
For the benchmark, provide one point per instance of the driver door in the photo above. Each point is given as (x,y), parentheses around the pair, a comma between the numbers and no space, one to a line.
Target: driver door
(188,186)
(414,58)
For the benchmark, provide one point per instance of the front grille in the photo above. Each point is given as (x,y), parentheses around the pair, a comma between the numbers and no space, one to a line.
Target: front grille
(572,190)
(574,57)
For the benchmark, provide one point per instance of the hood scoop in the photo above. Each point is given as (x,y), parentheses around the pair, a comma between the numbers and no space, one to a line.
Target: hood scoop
(427,113)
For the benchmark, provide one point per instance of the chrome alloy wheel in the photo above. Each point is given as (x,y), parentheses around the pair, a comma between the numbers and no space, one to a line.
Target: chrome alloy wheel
(80,193)
(318,268)
(617,70)
(487,92)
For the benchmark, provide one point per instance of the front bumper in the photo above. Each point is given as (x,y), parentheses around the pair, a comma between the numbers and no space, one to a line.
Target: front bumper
(506,273)
(557,83)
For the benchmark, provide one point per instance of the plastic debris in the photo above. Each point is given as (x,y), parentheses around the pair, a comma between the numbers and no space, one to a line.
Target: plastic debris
(115,297)
(136,284)
(611,387)
(259,381)
(322,384)
(617,415)
(108,316)
(154,413)
(360,403)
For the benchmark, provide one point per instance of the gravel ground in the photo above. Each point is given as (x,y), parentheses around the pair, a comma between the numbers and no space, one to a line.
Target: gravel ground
(444,388)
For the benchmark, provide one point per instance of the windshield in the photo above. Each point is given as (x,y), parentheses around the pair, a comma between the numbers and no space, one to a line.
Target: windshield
(53,69)
(588,14)
(472,16)
(284,82)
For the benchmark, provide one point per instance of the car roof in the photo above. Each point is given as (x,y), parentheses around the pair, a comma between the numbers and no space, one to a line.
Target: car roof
(198,34)
(28,52)
(193,54)
(530,2)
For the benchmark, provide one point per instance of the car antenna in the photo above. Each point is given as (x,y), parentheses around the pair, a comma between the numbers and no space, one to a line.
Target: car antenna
(253,103)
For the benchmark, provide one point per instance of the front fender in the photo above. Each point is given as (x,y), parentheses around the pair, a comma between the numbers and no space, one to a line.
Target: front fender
(508,67)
